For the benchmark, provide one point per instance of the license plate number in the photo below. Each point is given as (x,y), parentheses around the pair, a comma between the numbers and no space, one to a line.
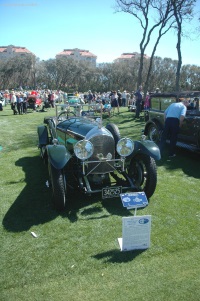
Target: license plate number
(111,192)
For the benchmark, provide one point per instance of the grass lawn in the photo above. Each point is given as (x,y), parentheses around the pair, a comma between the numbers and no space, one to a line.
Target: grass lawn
(76,255)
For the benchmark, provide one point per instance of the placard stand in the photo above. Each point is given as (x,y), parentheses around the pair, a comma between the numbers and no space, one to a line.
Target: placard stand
(136,230)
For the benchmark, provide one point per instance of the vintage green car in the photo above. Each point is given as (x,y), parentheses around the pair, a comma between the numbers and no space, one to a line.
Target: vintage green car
(74,100)
(85,156)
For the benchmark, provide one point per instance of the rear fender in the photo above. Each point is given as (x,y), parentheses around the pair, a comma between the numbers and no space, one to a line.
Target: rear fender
(42,135)
(156,123)
(58,155)
(147,147)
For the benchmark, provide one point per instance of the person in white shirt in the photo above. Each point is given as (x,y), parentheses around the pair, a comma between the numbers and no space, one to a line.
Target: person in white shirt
(173,117)
(13,101)
(124,98)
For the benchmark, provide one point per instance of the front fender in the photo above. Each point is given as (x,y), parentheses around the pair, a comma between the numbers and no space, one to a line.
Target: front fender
(42,135)
(58,155)
(147,147)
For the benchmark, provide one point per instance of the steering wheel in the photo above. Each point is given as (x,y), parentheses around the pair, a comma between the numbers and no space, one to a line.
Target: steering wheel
(66,115)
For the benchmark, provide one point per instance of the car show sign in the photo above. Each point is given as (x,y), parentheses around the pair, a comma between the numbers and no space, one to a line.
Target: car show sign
(136,232)
(134,200)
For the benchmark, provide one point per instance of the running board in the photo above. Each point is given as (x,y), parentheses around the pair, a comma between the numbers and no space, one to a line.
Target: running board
(192,148)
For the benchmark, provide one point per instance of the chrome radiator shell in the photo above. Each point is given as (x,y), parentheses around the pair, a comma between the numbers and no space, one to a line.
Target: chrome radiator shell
(104,152)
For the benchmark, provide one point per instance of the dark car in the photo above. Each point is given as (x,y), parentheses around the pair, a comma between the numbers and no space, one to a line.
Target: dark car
(189,134)
(83,155)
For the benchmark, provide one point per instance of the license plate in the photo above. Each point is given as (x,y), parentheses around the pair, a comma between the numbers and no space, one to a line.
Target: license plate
(111,192)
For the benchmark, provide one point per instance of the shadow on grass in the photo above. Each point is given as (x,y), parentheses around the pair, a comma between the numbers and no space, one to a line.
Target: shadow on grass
(185,160)
(90,208)
(33,205)
(116,256)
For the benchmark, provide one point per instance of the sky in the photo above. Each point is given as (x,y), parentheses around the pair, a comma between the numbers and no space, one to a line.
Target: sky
(46,27)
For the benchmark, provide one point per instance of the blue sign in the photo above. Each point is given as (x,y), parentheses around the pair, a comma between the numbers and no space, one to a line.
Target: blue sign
(133,200)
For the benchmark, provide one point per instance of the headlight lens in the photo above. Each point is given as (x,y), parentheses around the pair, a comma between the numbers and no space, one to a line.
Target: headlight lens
(125,146)
(83,149)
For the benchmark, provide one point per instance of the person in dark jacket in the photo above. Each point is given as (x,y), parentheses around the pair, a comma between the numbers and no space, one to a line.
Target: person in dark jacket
(138,102)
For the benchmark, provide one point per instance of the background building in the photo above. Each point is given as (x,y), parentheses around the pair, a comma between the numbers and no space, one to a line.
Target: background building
(78,54)
(8,52)
(129,56)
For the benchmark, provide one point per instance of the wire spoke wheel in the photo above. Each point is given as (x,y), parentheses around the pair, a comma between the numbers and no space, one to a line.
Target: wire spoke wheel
(143,172)
(154,133)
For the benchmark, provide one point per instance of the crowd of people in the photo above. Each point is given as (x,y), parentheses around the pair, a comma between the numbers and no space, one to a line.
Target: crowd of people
(118,99)
(111,100)
(20,101)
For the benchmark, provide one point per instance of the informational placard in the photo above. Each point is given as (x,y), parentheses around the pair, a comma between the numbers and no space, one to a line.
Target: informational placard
(136,231)
(134,200)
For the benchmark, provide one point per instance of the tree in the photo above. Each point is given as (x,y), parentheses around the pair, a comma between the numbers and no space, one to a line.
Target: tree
(183,10)
(155,17)
(71,75)
(16,71)
(190,78)
(163,74)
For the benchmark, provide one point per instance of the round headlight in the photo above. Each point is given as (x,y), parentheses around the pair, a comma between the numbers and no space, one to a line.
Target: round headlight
(83,149)
(125,147)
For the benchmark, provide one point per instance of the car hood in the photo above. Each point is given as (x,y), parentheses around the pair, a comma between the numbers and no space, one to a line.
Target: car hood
(80,126)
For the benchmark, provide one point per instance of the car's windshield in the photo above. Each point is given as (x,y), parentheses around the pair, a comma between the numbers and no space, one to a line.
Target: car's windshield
(161,103)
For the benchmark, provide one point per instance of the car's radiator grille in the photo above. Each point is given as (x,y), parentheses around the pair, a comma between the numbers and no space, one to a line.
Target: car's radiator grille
(104,146)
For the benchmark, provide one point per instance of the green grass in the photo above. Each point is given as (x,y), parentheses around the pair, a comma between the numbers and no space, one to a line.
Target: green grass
(76,255)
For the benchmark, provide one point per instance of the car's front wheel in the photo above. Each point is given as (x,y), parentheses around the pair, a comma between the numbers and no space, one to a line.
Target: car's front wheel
(59,187)
(143,173)
(154,133)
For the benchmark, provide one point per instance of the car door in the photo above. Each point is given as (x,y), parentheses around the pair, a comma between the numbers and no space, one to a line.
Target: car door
(190,130)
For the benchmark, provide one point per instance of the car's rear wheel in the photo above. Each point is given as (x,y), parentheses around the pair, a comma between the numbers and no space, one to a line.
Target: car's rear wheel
(143,172)
(59,187)
(154,133)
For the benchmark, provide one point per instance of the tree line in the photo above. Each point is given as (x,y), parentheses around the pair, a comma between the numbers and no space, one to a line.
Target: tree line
(69,75)
(157,17)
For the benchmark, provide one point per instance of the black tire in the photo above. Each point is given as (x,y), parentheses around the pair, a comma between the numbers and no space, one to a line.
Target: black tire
(154,133)
(143,172)
(43,142)
(113,128)
(58,187)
